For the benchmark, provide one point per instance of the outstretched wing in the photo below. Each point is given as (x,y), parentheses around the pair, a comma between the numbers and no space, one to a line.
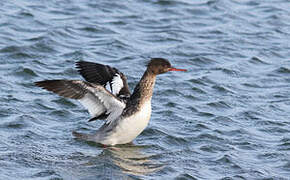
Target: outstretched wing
(109,77)
(95,98)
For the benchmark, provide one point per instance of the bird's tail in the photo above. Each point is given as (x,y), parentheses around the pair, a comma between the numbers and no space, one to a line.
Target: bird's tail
(86,137)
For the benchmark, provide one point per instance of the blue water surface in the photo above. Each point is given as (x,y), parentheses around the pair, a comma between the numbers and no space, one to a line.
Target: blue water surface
(226,118)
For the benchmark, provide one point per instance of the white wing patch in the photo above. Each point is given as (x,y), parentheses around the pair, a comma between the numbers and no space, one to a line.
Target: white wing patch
(98,100)
(112,105)
(94,107)
(117,84)
(108,87)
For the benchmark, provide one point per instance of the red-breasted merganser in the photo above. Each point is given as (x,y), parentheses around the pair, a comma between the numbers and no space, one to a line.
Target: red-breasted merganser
(126,115)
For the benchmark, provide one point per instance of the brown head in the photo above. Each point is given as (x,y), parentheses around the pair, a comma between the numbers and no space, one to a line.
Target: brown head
(160,66)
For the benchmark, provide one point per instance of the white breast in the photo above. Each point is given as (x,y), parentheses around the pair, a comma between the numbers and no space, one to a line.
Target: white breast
(130,127)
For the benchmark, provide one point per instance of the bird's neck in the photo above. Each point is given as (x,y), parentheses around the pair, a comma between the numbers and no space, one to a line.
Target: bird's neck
(144,89)
(142,94)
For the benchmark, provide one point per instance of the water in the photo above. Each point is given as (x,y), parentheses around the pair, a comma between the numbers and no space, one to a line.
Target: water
(226,118)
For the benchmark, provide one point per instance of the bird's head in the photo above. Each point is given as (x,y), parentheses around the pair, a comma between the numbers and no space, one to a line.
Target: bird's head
(160,66)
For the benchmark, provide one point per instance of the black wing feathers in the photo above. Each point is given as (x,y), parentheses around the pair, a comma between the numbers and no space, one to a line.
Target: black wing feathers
(95,72)
(104,75)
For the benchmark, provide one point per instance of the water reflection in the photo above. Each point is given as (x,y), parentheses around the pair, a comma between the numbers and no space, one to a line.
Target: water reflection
(121,162)
(131,160)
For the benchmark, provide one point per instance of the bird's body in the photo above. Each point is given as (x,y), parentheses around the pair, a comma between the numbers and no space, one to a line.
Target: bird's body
(126,115)
(125,129)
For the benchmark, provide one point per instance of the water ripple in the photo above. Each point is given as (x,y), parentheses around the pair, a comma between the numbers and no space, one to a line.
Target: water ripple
(226,118)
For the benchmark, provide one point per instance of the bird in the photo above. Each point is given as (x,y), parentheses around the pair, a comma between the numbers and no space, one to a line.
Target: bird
(106,95)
